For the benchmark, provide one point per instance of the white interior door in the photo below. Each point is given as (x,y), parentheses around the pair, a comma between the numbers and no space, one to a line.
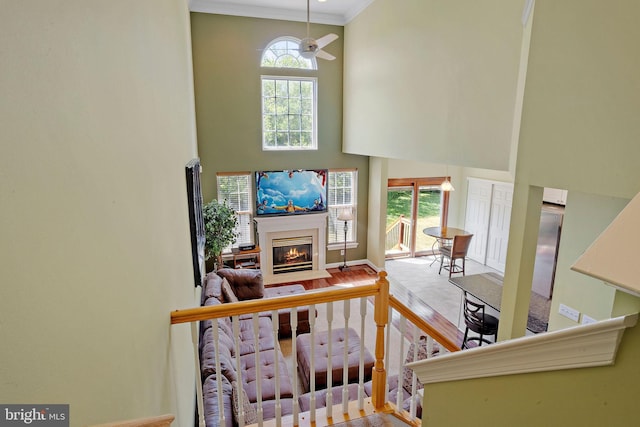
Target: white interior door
(477,217)
(498,238)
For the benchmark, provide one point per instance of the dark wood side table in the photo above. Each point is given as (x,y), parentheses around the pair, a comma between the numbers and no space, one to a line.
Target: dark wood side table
(247,259)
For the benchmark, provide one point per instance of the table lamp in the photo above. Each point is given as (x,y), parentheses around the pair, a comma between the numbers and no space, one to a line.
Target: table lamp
(345,215)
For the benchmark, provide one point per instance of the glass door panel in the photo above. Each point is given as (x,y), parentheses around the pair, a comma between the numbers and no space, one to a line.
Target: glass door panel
(429,215)
(414,204)
(399,220)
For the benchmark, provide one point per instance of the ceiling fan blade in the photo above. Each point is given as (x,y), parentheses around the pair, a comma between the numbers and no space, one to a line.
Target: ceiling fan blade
(324,55)
(325,40)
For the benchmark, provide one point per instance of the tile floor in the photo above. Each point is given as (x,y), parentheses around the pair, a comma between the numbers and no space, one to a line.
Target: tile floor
(422,278)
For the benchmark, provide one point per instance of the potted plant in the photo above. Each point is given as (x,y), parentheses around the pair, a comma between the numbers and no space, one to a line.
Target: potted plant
(220,223)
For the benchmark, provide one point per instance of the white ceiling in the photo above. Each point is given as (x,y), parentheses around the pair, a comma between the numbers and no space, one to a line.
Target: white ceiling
(334,12)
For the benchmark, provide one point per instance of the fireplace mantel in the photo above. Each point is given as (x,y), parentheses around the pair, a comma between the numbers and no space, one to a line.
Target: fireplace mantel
(277,227)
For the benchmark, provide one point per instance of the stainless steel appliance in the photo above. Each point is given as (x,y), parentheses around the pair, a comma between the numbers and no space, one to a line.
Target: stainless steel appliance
(547,251)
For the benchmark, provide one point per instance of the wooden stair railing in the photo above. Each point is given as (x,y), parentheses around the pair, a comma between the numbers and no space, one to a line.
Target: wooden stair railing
(382,309)
(159,421)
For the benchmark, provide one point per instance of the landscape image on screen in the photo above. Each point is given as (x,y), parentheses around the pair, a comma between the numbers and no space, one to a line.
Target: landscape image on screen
(291,192)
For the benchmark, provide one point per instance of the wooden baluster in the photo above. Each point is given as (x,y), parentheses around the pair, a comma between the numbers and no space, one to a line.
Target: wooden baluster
(380,315)
(329,360)
(403,328)
(294,328)
(196,353)
(414,377)
(363,314)
(312,382)
(345,361)
(429,347)
(236,342)
(276,350)
(387,355)
(256,342)
(216,346)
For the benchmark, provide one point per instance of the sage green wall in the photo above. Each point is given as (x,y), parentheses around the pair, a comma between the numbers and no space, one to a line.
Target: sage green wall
(582,225)
(579,128)
(433,81)
(97,124)
(226,57)
(578,133)
(590,397)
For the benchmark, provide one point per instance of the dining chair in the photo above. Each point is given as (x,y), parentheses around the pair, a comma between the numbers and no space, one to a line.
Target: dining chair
(457,250)
(479,322)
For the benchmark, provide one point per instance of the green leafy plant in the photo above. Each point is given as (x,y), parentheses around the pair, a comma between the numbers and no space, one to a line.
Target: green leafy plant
(220,223)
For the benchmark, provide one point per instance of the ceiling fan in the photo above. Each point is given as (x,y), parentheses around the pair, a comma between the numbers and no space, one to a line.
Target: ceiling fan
(311,48)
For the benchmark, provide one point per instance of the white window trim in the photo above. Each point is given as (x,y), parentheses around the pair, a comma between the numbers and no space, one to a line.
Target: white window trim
(249,212)
(314,123)
(351,244)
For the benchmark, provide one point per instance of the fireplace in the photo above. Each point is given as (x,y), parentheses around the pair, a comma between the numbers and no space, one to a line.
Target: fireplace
(292,247)
(292,254)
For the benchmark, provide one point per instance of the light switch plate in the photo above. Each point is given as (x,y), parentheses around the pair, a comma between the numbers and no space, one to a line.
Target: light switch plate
(587,320)
(569,313)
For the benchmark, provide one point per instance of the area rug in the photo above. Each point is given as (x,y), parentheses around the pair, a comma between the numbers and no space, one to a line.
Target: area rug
(539,306)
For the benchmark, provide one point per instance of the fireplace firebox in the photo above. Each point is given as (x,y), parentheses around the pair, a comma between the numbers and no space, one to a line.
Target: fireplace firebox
(292,254)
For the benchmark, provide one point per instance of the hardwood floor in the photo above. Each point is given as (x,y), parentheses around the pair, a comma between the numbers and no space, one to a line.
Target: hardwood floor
(365,275)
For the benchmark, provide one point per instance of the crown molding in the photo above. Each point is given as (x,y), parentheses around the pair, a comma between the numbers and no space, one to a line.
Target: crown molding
(219,8)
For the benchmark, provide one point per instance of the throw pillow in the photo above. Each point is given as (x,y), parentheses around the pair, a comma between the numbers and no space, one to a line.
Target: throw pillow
(407,374)
(250,414)
(227,292)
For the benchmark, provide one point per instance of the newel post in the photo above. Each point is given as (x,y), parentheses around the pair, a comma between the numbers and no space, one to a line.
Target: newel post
(381,317)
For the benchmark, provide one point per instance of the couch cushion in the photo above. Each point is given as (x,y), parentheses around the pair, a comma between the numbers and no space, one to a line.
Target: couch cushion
(205,324)
(211,403)
(265,336)
(321,397)
(268,374)
(246,283)
(227,292)
(269,408)
(208,362)
(212,286)
(225,336)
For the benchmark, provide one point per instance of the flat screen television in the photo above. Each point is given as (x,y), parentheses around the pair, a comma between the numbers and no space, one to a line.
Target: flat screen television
(196,222)
(291,192)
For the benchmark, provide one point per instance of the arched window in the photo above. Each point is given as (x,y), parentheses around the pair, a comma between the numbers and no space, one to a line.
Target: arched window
(289,103)
(283,53)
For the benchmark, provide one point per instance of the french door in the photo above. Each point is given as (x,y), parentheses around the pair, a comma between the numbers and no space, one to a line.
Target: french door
(413,204)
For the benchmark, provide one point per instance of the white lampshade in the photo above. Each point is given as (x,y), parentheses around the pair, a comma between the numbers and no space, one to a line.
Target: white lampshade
(345,215)
(613,256)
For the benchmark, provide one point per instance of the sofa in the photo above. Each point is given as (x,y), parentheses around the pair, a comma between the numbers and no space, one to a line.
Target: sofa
(231,285)
(228,285)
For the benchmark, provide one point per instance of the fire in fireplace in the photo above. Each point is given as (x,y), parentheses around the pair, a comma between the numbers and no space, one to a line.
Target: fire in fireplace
(292,254)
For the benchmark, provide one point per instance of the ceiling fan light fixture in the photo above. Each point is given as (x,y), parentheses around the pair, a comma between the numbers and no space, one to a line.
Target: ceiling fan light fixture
(308,48)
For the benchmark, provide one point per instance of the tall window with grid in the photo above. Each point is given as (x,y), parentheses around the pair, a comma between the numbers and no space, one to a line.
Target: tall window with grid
(342,195)
(235,189)
(288,102)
